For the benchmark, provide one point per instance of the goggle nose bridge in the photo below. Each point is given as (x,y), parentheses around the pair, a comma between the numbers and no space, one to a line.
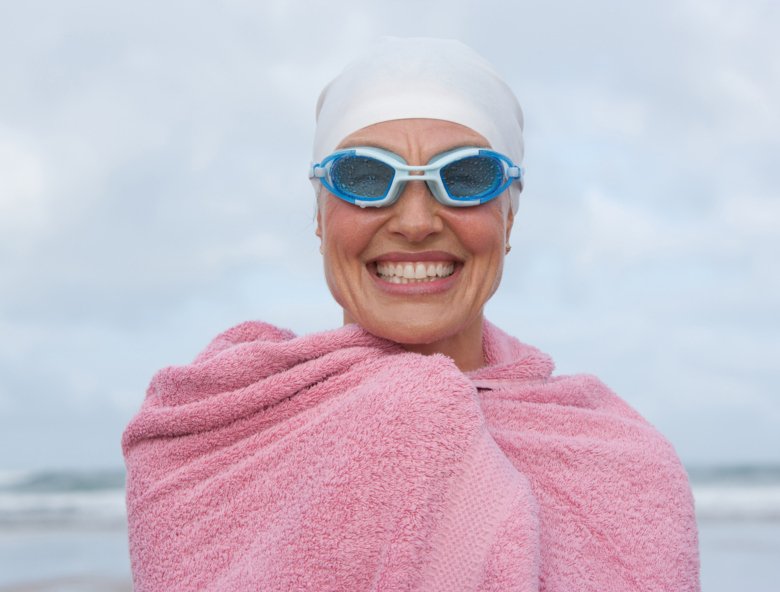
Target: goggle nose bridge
(416,173)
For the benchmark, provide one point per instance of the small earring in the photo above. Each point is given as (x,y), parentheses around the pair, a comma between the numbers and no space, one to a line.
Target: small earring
(508,248)
(322,252)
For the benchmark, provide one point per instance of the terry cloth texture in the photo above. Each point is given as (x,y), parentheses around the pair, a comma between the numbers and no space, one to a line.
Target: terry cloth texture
(338,461)
(420,77)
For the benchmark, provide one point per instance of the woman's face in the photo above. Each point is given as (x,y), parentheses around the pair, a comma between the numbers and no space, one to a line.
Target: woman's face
(459,251)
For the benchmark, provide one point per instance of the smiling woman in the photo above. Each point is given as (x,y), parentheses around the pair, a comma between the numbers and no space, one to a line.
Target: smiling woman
(417,447)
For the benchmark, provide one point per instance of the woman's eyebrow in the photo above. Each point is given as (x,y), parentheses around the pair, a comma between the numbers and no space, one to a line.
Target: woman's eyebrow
(362,143)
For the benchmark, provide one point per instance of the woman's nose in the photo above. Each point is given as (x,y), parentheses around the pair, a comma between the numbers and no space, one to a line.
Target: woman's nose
(416,213)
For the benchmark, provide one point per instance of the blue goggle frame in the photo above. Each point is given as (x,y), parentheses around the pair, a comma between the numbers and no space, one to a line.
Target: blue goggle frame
(500,173)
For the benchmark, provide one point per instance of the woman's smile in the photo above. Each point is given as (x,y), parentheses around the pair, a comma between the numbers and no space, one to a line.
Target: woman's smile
(410,274)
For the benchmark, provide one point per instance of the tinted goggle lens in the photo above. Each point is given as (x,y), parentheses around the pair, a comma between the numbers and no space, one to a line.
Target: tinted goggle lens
(472,176)
(361,176)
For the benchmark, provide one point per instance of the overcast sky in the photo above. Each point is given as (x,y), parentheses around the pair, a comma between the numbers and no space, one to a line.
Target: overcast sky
(153,192)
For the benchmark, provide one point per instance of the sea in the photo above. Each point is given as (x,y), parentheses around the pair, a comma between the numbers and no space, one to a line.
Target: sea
(65,531)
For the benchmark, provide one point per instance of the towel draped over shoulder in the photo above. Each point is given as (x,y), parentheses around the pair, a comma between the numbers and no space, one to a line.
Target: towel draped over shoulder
(339,461)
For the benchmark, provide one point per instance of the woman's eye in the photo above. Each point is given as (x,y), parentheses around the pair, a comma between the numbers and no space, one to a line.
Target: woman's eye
(471,176)
(362,176)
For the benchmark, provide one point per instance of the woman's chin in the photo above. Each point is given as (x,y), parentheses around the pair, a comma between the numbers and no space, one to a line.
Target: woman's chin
(420,331)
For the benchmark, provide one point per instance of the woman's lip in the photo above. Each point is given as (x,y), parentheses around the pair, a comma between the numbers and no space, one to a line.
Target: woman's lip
(397,256)
(436,286)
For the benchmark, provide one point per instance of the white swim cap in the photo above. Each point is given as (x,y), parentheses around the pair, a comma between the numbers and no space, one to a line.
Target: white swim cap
(420,77)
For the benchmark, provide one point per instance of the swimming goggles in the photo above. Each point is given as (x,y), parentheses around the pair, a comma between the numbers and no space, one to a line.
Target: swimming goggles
(376,178)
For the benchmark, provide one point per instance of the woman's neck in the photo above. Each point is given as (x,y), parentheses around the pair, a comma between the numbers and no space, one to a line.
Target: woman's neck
(465,348)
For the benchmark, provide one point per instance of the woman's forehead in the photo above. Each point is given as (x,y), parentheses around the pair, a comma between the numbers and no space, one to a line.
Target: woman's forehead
(415,136)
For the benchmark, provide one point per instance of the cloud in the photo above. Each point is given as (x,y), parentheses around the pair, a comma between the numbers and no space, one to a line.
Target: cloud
(22,188)
(735,228)
(153,192)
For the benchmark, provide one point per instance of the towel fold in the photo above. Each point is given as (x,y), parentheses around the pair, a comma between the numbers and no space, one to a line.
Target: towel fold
(339,461)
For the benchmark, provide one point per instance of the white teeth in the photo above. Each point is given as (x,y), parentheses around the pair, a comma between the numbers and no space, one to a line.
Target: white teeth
(413,272)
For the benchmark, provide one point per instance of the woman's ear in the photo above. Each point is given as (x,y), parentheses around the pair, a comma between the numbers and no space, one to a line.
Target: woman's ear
(510,219)
(318,230)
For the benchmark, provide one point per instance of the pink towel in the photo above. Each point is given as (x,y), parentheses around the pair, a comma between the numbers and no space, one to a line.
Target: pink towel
(338,461)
